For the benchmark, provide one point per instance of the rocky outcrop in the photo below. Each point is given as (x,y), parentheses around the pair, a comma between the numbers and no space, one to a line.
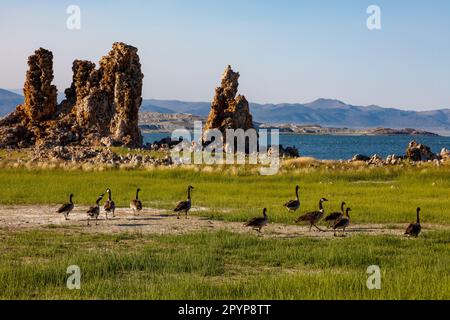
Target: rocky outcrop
(229,111)
(76,154)
(360,157)
(101,106)
(419,152)
(445,154)
(127,88)
(289,152)
(375,160)
(40,94)
(165,144)
(394,159)
(415,153)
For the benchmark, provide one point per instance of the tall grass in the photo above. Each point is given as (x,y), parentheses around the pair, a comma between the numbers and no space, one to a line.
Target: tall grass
(222,265)
(388,195)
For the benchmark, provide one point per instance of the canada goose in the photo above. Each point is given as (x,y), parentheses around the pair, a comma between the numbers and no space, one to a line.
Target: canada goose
(65,209)
(332,218)
(343,222)
(313,217)
(110,206)
(414,229)
(258,223)
(293,205)
(94,211)
(136,204)
(184,205)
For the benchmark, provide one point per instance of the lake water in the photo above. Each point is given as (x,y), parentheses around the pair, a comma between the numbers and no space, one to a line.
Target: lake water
(345,147)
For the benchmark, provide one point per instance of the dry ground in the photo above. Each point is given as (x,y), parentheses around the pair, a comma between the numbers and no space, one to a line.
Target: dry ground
(155,221)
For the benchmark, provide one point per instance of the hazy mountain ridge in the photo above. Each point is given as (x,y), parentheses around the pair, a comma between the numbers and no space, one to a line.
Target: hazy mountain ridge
(8,101)
(324,112)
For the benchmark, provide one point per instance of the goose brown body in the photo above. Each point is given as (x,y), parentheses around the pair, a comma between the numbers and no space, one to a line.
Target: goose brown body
(333,217)
(343,222)
(313,217)
(414,229)
(110,206)
(184,206)
(259,222)
(136,204)
(65,209)
(94,211)
(293,205)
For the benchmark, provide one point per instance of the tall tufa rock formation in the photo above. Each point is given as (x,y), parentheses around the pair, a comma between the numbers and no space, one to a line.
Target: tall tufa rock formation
(40,94)
(101,106)
(229,111)
(108,99)
(122,79)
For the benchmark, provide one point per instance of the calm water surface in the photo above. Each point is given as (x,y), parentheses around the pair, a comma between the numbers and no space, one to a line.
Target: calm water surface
(345,147)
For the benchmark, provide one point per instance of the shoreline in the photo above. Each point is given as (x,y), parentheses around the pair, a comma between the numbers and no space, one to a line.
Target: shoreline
(325,134)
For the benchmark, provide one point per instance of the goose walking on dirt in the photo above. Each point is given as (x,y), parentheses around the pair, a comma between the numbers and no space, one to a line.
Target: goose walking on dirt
(332,218)
(259,223)
(293,205)
(184,206)
(136,204)
(110,206)
(313,217)
(414,229)
(65,209)
(342,223)
(94,211)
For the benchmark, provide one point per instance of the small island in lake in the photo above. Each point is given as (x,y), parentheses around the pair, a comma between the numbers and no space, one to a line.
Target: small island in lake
(167,122)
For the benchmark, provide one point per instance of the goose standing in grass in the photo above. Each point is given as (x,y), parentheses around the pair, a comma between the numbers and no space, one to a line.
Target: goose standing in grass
(342,223)
(94,211)
(332,218)
(414,229)
(110,206)
(313,217)
(65,209)
(136,204)
(260,222)
(293,205)
(184,206)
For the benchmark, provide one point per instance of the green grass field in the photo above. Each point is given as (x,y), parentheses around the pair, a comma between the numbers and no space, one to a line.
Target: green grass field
(222,265)
(387,195)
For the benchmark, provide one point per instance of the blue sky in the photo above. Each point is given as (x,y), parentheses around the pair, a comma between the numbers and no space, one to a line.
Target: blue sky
(286,51)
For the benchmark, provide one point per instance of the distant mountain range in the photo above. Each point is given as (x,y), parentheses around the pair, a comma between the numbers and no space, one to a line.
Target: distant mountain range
(8,101)
(323,112)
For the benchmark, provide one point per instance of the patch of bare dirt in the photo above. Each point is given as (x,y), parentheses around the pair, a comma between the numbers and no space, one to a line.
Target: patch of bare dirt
(160,222)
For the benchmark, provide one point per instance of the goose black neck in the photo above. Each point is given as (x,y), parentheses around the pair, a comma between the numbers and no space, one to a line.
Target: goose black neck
(189,193)
(71,196)
(137,194)
(418,215)
(109,195)
(342,207)
(296,193)
(320,205)
(347,212)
